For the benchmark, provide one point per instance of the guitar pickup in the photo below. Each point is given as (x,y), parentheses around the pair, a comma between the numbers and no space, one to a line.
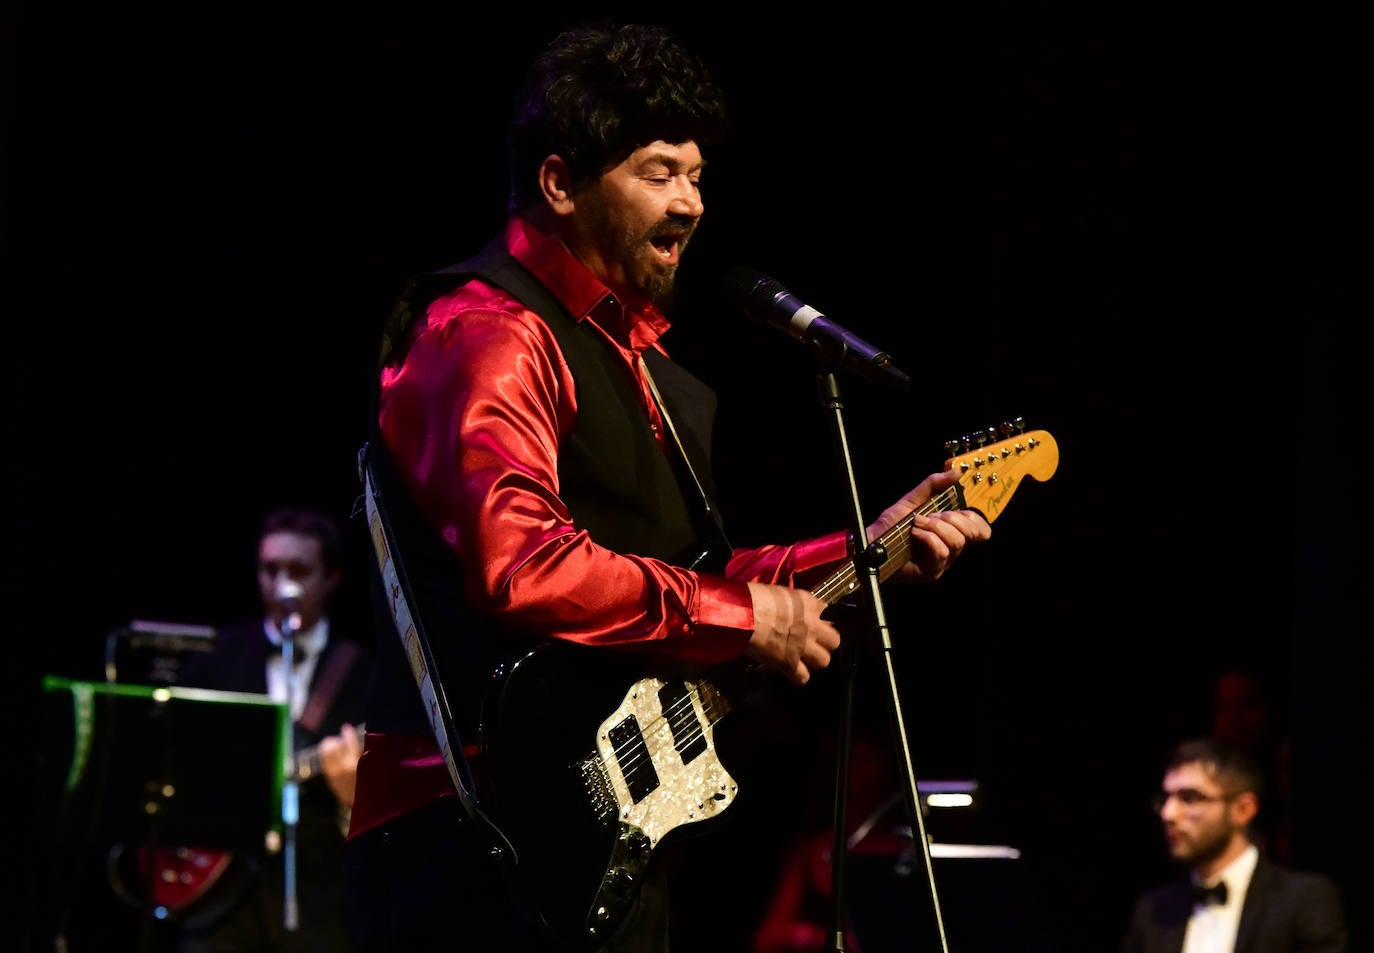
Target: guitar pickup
(689,738)
(632,754)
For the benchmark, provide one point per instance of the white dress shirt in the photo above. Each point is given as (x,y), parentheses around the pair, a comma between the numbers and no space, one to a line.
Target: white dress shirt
(1212,927)
(305,649)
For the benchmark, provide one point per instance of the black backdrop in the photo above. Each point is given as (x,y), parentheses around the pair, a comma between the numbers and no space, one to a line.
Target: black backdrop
(1107,221)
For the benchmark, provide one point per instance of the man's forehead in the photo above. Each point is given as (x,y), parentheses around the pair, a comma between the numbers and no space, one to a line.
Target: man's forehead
(685,155)
(1193,774)
(285,545)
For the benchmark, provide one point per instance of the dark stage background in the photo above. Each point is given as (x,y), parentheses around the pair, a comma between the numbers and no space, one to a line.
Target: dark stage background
(1107,221)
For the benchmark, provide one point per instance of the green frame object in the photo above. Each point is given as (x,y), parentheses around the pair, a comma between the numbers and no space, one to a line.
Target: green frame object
(187,762)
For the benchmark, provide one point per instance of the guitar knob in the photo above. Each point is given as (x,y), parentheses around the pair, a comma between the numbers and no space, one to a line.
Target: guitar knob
(634,846)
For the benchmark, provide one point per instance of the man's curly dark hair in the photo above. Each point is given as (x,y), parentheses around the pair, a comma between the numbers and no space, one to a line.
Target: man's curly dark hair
(596,94)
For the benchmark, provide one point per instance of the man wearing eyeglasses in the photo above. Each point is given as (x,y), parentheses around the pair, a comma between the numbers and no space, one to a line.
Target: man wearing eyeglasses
(1234,899)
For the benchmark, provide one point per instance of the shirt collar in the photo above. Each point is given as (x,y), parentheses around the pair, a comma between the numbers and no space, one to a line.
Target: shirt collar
(578,290)
(1236,874)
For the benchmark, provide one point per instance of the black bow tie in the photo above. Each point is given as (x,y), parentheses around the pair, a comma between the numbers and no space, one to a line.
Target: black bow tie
(1213,894)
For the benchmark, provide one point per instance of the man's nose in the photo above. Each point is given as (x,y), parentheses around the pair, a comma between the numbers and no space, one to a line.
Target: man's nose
(686,200)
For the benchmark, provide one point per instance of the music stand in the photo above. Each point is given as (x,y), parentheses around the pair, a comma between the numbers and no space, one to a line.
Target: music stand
(161,765)
(151,653)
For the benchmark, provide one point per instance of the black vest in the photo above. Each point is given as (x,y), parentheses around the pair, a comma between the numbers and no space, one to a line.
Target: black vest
(618,484)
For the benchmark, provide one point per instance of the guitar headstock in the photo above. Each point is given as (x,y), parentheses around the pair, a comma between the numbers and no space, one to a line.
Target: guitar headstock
(994,468)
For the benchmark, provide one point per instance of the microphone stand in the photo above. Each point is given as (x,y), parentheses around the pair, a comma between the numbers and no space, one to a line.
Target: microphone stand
(868,560)
(290,790)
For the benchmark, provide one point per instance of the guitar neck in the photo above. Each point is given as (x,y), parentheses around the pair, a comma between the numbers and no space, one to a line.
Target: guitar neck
(989,476)
(305,763)
(896,543)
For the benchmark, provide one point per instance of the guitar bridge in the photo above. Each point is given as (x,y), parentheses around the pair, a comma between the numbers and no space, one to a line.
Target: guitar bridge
(600,795)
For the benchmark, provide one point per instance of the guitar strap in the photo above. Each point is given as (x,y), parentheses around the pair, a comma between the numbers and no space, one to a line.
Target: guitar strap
(373,459)
(719,547)
(327,684)
(409,628)
(411,632)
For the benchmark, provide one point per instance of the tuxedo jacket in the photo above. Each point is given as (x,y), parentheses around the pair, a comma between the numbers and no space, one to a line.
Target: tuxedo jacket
(1285,911)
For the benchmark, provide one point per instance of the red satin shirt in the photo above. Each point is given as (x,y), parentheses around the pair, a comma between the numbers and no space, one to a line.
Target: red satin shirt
(473,417)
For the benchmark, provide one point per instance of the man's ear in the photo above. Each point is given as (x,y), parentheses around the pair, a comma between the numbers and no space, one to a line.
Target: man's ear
(555,184)
(1244,807)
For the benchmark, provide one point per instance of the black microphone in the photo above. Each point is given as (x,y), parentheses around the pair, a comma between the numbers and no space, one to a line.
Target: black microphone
(765,299)
(288,596)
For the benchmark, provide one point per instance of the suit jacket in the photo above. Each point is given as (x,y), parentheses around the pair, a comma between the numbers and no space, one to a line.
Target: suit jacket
(1285,911)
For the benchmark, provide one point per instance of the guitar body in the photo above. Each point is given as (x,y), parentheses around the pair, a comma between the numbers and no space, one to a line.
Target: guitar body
(181,875)
(586,777)
(590,759)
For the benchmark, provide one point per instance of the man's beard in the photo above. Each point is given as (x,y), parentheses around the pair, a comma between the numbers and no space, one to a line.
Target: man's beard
(1207,848)
(654,283)
(662,290)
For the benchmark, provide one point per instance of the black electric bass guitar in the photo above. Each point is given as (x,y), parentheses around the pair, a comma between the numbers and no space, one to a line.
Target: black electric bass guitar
(591,760)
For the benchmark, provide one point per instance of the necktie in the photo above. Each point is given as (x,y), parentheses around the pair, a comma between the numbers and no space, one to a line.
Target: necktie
(1213,894)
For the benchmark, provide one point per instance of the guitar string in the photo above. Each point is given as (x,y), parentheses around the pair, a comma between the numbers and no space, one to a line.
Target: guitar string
(897,540)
